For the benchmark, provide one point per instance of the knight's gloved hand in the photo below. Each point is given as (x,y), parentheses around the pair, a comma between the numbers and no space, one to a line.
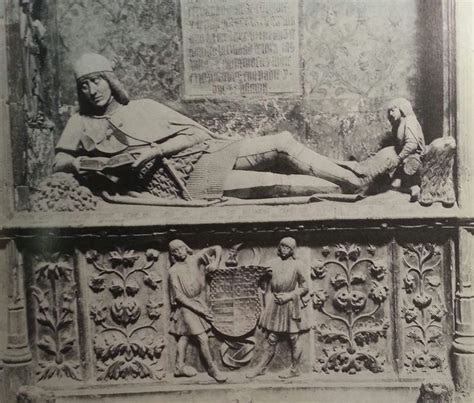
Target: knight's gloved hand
(146,155)
(76,164)
(145,169)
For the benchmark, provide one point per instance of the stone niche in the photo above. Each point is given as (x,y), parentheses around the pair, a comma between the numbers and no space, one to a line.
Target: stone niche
(323,70)
(88,295)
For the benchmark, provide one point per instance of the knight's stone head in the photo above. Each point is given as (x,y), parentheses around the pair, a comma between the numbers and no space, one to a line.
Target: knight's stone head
(178,251)
(97,85)
(286,248)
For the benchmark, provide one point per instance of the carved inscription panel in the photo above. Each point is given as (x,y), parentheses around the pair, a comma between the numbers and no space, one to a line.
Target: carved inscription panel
(240,47)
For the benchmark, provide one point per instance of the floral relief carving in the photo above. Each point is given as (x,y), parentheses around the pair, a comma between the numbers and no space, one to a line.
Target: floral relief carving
(142,36)
(423,308)
(350,47)
(55,294)
(62,192)
(127,342)
(351,305)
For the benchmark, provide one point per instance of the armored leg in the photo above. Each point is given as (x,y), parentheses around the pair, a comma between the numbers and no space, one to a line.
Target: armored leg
(181,368)
(212,370)
(269,353)
(296,353)
(281,150)
(259,185)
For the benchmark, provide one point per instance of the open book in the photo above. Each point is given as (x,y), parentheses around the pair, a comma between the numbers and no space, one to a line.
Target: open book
(100,164)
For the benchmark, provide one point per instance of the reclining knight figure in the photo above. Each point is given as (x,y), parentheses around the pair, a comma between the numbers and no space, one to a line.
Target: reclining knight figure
(144,149)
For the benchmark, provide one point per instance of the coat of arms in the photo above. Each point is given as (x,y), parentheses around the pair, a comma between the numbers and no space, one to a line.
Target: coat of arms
(235,300)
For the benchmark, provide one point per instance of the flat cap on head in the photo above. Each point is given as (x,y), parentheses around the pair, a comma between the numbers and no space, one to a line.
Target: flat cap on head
(288,241)
(90,63)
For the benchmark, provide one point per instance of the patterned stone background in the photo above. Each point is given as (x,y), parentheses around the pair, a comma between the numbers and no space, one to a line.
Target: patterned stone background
(355,56)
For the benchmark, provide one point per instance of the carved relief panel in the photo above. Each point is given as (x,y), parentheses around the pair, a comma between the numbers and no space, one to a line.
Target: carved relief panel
(125,309)
(329,306)
(351,285)
(423,307)
(53,293)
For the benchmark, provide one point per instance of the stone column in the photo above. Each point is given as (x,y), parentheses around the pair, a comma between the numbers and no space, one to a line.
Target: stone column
(18,351)
(17,355)
(465,104)
(14,348)
(6,176)
(463,345)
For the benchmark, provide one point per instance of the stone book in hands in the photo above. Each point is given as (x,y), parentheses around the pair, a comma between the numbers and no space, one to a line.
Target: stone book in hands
(104,163)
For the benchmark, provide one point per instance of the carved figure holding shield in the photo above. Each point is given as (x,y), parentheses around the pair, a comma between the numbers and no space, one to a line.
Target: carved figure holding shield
(190,316)
(284,315)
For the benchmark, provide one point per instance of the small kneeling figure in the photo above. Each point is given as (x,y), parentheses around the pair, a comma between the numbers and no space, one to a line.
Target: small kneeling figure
(284,315)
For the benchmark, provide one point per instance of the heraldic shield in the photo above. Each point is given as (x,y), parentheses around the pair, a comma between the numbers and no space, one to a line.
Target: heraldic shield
(234,299)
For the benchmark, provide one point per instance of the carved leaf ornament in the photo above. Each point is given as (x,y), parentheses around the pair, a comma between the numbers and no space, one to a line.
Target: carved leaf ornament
(55,295)
(423,310)
(127,343)
(352,325)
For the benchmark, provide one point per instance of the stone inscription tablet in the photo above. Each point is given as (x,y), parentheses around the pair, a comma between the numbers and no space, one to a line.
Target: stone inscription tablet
(240,47)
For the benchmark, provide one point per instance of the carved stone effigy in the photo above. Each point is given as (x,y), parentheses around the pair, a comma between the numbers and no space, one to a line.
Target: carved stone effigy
(375,303)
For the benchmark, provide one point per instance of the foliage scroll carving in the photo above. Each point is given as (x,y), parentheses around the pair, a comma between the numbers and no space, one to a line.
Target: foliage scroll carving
(355,292)
(127,341)
(62,192)
(55,294)
(423,309)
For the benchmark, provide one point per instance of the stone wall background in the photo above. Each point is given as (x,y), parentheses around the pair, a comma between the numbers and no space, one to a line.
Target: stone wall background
(355,56)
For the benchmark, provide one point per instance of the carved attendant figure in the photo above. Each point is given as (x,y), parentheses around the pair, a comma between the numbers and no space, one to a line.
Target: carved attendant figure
(191,316)
(148,149)
(400,163)
(284,316)
(409,145)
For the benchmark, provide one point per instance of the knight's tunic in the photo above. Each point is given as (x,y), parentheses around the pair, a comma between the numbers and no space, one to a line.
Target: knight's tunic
(291,317)
(202,168)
